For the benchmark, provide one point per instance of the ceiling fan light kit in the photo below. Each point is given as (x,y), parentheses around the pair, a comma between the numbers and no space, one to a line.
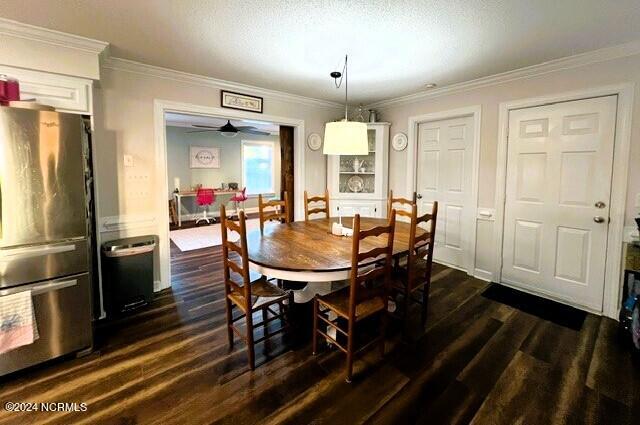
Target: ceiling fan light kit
(230,130)
(345,137)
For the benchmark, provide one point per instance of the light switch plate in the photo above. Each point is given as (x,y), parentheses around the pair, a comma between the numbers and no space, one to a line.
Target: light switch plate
(128,160)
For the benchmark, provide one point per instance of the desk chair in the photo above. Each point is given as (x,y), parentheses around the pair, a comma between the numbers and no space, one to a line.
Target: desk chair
(239,197)
(205,198)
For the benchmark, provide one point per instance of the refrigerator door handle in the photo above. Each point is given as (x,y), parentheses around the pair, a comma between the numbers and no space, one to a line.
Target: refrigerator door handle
(21,253)
(40,288)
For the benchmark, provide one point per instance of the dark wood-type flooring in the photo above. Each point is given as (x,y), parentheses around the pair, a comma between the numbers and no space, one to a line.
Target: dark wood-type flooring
(477,361)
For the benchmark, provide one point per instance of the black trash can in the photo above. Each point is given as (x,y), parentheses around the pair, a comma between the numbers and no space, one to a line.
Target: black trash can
(127,274)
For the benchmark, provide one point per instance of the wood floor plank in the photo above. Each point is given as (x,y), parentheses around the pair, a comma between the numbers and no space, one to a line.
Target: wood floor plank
(477,360)
(484,370)
(614,370)
(515,397)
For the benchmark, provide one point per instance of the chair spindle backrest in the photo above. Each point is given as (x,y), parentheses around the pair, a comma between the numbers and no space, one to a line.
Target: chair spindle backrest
(373,269)
(405,204)
(231,252)
(421,245)
(316,209)
(281,212)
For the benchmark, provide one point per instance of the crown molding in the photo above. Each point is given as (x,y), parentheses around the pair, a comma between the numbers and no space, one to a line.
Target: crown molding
(127,65)
(595,56)
(58,38)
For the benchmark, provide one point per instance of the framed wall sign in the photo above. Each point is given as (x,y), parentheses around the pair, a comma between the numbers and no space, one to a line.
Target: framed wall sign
(204,157)
(243,102)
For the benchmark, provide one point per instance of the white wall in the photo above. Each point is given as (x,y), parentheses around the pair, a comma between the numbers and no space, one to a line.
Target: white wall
(611,72)
(179,139)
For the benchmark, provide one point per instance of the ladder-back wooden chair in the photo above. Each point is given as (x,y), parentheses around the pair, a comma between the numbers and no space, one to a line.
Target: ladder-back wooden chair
(405,205)
(315,209)
(415,275)
(249,291)
(280,211)
(403,209)
(357,301)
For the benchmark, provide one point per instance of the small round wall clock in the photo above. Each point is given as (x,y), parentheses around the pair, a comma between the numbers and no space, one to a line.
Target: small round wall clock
(399,142)
(314,141)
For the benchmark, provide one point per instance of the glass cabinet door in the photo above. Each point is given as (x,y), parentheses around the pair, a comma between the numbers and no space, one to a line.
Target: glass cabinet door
(357,172)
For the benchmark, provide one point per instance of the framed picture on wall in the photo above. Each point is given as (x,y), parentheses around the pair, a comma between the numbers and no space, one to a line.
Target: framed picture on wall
(243,102)
(204,157)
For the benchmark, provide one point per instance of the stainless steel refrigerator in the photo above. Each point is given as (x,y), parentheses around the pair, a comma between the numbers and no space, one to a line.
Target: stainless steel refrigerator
(45,228)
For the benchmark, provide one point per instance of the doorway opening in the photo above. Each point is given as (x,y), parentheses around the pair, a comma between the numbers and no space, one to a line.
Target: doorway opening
(195,149)
(216,161)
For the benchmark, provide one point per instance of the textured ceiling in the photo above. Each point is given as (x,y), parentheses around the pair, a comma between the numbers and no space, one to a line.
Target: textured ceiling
(395,47)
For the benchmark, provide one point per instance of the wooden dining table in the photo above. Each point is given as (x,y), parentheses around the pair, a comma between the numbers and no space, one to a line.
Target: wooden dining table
(306,251)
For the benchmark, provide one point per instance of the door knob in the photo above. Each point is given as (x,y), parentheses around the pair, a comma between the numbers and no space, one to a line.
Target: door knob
(599,204)
(598,219)
(419,196)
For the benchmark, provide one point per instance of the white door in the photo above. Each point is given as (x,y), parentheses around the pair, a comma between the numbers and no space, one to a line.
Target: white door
(445,165)
(559,167)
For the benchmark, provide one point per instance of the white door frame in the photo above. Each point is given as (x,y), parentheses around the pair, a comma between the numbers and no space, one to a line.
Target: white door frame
(160,107)
(474,111)
(622,145)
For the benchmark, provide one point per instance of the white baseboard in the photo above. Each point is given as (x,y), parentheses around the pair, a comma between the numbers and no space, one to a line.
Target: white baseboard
(483,275)
(157,286)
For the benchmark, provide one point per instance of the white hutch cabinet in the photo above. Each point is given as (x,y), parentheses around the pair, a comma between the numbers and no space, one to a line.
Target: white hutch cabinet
(358,184)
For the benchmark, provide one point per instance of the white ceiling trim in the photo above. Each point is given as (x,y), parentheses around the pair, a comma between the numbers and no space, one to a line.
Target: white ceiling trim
(127,65)
(58,38)
(575,61)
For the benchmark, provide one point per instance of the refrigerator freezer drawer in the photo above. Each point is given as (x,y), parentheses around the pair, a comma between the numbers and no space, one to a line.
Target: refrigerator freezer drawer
(63,317)
(42,262)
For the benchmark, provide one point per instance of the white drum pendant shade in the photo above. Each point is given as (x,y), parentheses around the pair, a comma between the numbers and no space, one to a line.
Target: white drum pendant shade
(345,138)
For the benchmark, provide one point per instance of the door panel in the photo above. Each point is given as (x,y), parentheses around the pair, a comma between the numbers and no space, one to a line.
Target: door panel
(526,247)
(445,152)
(559,165)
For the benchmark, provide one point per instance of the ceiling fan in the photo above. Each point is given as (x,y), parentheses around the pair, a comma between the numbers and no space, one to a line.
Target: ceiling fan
(230,130)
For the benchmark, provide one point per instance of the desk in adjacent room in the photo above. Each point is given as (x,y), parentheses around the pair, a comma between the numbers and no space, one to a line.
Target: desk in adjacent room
(227,193)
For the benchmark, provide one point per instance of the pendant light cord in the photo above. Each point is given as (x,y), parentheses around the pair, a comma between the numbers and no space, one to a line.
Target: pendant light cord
(346,87)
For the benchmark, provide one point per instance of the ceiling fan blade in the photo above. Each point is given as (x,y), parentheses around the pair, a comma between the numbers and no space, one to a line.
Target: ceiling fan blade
(246,127)
(256,132)
(200,131)
(205,126)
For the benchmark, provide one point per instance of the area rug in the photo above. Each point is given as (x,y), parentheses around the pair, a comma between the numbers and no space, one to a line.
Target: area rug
(545,309)
(205,236)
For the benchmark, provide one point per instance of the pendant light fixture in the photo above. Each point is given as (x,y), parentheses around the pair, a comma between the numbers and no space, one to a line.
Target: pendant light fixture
(345,137)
